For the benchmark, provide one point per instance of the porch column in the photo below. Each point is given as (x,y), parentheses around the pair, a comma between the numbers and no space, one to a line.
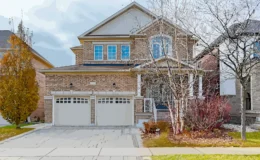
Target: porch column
(139,85)
(200,86)
(191,83)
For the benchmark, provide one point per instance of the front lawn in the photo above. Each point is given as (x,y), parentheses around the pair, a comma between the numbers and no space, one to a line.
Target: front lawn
(253,140)
(14,126)
(207,157)
(11,131)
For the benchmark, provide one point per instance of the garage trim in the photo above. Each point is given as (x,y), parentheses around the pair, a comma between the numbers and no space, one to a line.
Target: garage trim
(91,95)
(114,96)
(55,98)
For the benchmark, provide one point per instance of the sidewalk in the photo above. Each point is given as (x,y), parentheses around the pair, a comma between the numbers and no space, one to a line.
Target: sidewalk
(118,152)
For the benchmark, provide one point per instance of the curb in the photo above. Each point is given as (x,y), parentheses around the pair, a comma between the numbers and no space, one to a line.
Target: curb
(23,134)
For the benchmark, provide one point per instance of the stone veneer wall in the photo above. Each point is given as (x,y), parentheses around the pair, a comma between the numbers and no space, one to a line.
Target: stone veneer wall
(139,105)
(48,110)
(93,116)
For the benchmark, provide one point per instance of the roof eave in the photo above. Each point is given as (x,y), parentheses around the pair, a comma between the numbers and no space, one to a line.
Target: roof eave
(80,71)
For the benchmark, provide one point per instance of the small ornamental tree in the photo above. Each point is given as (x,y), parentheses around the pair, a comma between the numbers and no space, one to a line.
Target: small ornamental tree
(18,87)
(207,114)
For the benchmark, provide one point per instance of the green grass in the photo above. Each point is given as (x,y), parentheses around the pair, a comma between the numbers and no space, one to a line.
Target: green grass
(253,140)
(161,141)
(14,126)
(11,131)
(207,157)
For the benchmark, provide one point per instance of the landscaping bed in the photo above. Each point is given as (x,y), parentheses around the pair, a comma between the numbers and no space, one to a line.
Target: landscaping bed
(217,138)
(11,131)
(207,157)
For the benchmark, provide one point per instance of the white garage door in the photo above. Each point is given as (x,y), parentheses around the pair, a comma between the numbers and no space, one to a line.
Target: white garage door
(114,111)
(72,111)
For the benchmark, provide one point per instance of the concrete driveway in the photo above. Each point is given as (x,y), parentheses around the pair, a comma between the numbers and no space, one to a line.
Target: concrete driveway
(78,137)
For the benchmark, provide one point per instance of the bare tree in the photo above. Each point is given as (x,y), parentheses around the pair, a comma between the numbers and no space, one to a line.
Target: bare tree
(230,24)
(171,44)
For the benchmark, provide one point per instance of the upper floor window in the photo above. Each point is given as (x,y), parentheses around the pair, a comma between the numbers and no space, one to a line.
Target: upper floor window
(125,52)
(111,52)
(98,52)
(161,45)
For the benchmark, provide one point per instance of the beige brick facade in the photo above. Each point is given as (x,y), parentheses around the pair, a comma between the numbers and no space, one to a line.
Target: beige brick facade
(39,112)
(124,82)
(139,47)
(79,56)
(81,82)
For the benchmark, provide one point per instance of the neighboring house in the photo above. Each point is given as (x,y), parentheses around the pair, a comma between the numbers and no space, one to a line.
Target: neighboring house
(106,86)
(229,86)
(39,62)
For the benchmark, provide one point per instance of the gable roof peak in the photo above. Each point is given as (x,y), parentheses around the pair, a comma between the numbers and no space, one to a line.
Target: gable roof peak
(131,5)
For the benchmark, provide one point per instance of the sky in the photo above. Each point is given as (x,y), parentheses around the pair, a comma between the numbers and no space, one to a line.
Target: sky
(57,23)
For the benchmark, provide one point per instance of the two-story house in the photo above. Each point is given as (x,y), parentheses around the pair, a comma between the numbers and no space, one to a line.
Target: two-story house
(229,86)
(39,62)
(106,86)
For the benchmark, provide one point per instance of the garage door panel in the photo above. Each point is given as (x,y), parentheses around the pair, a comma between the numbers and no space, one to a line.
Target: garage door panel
(72,111)
(115,111)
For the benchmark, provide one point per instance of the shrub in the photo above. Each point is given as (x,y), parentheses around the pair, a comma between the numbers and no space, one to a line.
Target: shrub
(150,127)
(207,114)
(163,126)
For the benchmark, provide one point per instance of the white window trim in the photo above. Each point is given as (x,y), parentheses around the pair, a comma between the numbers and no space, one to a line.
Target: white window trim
(161,35)
(107,53)
(129,53)
(110,43)
(102,53)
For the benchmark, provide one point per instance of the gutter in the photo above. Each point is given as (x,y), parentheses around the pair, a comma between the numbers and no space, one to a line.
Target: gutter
(104,36)
(80,71)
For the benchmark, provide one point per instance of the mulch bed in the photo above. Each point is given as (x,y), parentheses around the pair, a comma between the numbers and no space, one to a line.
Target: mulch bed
(218,137)
(215,138)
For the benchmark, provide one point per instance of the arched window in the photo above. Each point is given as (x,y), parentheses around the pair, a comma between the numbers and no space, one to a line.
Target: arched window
(161,45)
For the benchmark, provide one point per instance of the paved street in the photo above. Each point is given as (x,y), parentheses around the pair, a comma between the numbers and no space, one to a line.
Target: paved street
(112,153)
(78,137)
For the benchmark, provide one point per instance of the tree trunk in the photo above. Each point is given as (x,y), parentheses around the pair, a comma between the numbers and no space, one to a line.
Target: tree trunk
(172,116)
(243,113)
(178,122)
(18,126)
(182,115)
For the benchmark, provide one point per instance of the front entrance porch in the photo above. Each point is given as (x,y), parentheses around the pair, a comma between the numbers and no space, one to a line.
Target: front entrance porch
(156,95)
